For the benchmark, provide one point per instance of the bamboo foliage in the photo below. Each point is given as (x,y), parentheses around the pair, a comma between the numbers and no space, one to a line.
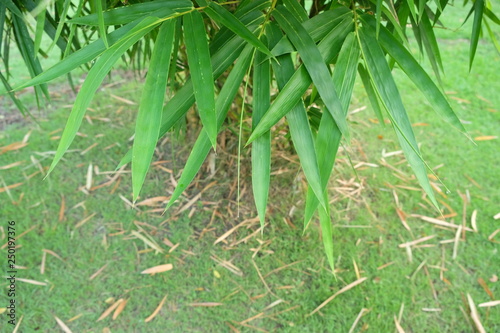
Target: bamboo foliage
(334,40)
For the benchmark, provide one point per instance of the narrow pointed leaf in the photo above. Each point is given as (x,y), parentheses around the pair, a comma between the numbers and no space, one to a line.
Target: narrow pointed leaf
(385,86)
(298,124)
(60,25)
(221,15)
(329,136)
(370,91)
(200,67)
(431,45)
(297,10)
(476,29)
(327,235)
(300,81)
(314,63)
(148,121)
(317,27)
(40,25)
(100,22)
(261,148)
(419,76)
(202,145)
(85,54)
(94,79)
(126,14)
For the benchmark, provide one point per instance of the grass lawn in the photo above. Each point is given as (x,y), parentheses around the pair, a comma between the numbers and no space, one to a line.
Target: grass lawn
(82,246)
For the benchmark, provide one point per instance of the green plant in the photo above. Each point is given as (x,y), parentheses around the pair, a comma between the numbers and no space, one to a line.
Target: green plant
(253,43)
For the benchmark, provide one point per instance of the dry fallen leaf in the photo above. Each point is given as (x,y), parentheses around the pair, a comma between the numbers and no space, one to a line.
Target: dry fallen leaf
(158,269)
(119,309)
(62,325)
(485,138)
(155,312)
(110,309)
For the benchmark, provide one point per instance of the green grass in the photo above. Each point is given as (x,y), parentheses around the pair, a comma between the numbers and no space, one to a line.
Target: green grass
(303,286)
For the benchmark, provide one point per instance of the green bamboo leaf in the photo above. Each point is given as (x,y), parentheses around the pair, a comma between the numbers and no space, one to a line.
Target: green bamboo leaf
(298,123)
(327,235)
(180,103)
(411,7)
(100,21)
(249,14)
(13,8)
(24,111)
(94,79)
(200,67)
(297,10)
(224,17)
(370,91)
(40,26)
(261,148)
(202,145)
(378,14)
(60,25)
(26,47)
(126,14)
(476,29)
(418,75)
(300,81)
(87,53)
(148,121)
(314,63)
(329,136)
(385,86)
(492,36)
(491,15)
(317,27)
(431,45)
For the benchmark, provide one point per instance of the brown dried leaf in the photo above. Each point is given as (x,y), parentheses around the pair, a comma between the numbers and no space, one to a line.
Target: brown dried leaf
(110,309)
(155,312)
(62,325)
(158,269)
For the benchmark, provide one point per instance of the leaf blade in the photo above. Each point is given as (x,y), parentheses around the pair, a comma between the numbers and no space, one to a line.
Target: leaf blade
(314,63)
(151,106)
(94,79)
(201,72)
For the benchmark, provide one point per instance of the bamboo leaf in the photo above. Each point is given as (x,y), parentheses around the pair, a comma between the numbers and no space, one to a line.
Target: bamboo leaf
(179,104)
(300,81)
(202,145)
(94,79)
(317,27)
(298,123)
(314,63)
(26,47)
(476,29)
(221,15)
(431,45)
(40,25)
(151,106)
(370,91)
(60,25)
(261,148)
(418,75)
(13,8)
(327,234)
(86,54)
(100,22)
(329,136)
(127,14)
(297,10)
(201,72)
(385,86)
